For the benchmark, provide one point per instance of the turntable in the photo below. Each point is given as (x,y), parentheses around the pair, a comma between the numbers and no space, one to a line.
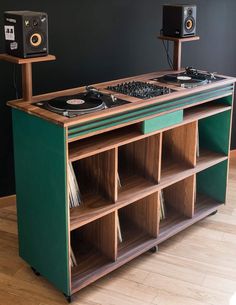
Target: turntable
(86,102)
(190,78)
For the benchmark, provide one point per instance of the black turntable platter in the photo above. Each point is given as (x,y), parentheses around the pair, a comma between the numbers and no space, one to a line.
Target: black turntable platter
(183,80)
(82,103)
(190,78)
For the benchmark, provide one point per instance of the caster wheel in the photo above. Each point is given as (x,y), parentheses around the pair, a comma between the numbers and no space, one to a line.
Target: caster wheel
(213,213)
(68,298)
(154,249)
(35,271)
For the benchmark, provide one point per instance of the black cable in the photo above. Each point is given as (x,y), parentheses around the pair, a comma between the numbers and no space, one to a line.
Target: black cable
(15,81)
(169,60)
(166,47)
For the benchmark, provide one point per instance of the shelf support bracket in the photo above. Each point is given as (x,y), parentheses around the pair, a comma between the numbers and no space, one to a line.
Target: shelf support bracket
(177,53)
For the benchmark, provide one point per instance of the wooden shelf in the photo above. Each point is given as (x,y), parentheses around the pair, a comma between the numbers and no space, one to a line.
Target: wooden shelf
(209,158)
(181,39)
(26,72)
(93,265)
(136,187)
(175,222)
(22,61)
(99,143)
(93,207)
(90,262)
(178,47)
(204,110)
(204,204)
(133,238)
(96,144)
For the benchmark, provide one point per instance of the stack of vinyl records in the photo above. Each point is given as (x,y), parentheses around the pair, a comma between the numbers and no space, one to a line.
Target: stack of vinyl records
(74,192)
(162,206)
(73,261)
(120,239)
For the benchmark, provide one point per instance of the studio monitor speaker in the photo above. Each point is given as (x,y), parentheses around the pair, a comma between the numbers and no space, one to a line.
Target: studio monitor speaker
(179,20)
(26,33)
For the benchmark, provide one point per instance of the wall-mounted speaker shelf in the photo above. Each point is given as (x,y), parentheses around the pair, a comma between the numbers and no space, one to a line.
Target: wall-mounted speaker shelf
(178,48)
(27,87)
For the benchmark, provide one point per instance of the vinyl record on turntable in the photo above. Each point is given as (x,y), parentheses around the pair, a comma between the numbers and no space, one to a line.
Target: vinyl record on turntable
(183,80)
(83,103)
(77,104)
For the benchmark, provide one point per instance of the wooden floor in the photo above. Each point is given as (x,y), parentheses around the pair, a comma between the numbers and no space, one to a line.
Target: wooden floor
(198,266)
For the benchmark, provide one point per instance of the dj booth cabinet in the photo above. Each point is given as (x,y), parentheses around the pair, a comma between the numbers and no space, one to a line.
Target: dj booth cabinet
(151,149)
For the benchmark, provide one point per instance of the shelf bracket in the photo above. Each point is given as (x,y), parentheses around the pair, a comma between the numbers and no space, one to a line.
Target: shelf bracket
(26,71)
(177,53)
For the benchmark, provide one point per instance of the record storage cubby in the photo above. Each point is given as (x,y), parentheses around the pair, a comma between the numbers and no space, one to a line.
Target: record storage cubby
(187,163)
(121,173)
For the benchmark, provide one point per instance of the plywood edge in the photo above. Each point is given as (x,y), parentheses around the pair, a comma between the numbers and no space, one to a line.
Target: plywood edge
(21,61)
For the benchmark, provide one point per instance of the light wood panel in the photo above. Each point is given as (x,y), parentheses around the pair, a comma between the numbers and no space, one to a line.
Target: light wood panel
(178,39)
(102,233)
(22,61)
(181,196)
(144,214)
(98,174)
(179,144)
(142,158)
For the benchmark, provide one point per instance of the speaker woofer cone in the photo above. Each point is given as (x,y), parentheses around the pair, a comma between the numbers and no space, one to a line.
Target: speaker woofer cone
(35,40)
(189,24)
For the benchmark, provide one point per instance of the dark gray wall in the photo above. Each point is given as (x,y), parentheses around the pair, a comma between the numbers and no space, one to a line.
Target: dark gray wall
(96,41)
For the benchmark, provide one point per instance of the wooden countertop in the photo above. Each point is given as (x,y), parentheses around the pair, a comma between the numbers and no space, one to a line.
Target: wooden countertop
(135,103)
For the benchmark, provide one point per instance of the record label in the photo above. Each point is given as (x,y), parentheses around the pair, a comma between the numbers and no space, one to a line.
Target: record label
(184,78)
(75,102)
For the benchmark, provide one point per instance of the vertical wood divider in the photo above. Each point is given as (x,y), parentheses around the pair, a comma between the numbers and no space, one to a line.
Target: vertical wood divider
(116,174)
(115,240)
(181,196)
(159,157)
(116,219)
(180,143)
(102,234)
(144,214)
(151,151)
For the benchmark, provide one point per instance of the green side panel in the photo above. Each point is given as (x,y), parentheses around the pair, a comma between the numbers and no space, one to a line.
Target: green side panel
(213,181)
(214,132)
(162,121)
(228,100)
(40,170)
(130,116)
